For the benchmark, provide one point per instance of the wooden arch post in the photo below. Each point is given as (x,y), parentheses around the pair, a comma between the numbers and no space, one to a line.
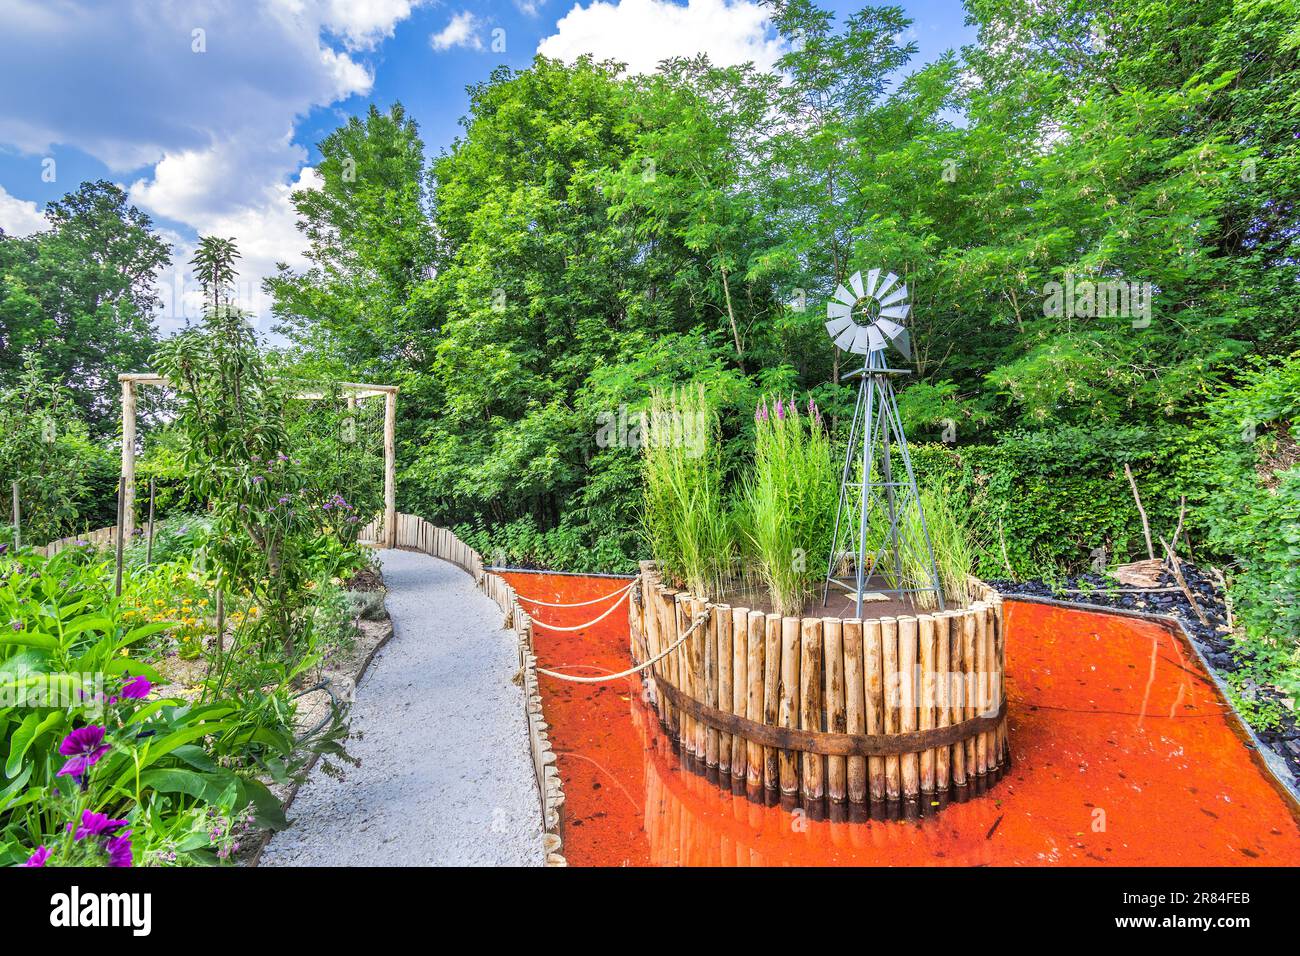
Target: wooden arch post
(355,391)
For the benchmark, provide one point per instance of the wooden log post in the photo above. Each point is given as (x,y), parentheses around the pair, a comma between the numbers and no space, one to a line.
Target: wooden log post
(722,618)
(957,694)
(874,702)
(390,468)
(943,694)
(889,673)
(739,686)
(969,666)
(788,760)
(926,696)
(755,699)
(907,702)
(681,610)
(811,681)
(981,684)
(711,677)
(127,525)
(836,705)
(772,670)
(699,641)
(854,708)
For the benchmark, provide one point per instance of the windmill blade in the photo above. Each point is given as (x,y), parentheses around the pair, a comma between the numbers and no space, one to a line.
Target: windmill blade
(886,285)
(845,338)
(838,310)
(845,296)
(868,340)
(855,281)
(873,276)
(903,342)
(896,311)
(835,326)
(898,295)
(891,329)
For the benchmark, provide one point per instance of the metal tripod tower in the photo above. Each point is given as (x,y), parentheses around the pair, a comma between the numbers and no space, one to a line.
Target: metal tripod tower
(875,430)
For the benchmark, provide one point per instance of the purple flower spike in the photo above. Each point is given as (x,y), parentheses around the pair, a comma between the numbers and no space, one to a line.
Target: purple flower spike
(84,746)
(137,688)
(96,824)
(119,850)
(38,858)
(780,411)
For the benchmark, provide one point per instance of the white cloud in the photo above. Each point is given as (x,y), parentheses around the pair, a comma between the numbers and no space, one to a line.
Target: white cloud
(266,234)
(213,130)
(642,33)
(20,217)
(461,30)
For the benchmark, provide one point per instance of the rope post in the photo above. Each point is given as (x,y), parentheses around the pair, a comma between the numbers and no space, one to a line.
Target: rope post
(18,533)
(128,455)
(148,559)
(121,517)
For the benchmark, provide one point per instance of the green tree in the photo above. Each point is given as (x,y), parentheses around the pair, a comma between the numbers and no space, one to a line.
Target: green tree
(84,294)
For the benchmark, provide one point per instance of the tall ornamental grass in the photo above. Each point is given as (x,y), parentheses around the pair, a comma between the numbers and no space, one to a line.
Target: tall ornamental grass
(788,508)
(685,518)
(954,555)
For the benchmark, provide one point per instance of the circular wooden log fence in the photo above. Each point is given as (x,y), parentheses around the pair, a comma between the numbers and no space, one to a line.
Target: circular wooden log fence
(810,710)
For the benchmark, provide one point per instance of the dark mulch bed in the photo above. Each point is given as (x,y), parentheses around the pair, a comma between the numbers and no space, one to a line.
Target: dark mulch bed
(364,580)
(1215,641)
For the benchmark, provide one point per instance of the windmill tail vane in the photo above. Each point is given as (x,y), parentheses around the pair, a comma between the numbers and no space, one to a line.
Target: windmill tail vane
(863,318)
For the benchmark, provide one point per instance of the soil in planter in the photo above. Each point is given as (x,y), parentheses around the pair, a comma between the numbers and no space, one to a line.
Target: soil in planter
(839,603)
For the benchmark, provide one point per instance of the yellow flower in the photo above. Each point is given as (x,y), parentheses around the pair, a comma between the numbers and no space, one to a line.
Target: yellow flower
(203,603)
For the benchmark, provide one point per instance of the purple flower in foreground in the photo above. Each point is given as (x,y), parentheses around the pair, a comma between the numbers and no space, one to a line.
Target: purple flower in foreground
(119,850)
(16,625)
(38,858)
(96,824)
(84,746)
(780,411)
(137,688)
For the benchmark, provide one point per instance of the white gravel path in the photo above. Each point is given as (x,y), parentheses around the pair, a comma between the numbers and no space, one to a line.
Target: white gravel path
(445,775)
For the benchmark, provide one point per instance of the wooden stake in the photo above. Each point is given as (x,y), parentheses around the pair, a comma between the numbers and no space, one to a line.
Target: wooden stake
(771,695)
(390,468)
(1146,526)
(926,696)
(148,558)
(873,668)
(942,692)
(813,770)
(889,673)
(854,708)
(739,685)
(754,697)
(957,694)
(699,644)
(128,457)
(907,702)
(970,665)
(788,760)
(983,650)
(1174,566)
(719,618)
(836,705)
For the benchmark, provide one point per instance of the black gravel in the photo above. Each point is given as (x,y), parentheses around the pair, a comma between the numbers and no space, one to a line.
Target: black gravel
(1215,641)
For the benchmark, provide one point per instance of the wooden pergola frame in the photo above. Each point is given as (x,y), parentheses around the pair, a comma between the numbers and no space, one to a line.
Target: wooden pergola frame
(354,391)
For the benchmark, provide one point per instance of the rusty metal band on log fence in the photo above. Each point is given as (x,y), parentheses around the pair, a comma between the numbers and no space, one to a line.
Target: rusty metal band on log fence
(831,744)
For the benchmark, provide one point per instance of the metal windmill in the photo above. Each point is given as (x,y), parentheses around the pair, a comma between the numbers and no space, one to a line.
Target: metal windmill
(862,320)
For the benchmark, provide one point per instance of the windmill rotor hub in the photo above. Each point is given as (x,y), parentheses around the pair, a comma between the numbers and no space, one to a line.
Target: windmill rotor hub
(868,313)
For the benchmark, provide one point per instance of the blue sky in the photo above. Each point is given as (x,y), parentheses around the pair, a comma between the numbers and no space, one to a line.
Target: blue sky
(208,111)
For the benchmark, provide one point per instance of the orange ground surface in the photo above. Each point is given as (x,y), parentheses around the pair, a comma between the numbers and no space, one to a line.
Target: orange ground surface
(1113,722)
